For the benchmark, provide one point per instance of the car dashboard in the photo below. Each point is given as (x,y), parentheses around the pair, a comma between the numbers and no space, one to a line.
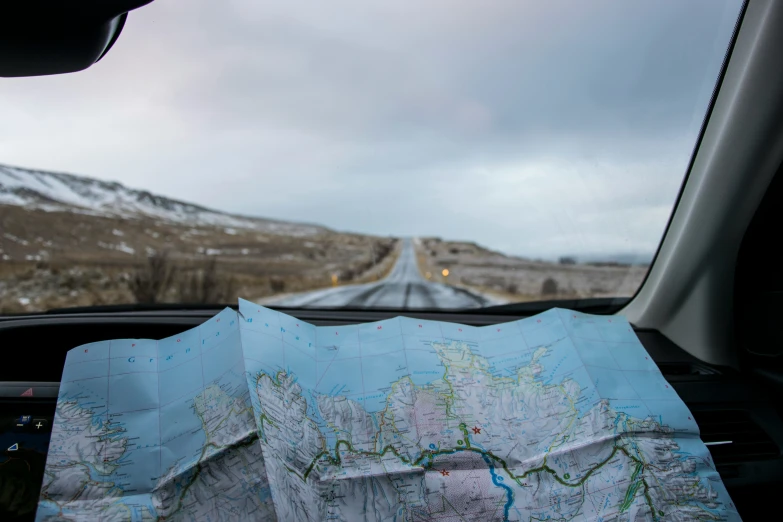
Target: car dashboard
(739,423)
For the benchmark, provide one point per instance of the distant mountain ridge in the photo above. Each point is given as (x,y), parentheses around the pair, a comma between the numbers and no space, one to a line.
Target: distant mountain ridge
(55,191)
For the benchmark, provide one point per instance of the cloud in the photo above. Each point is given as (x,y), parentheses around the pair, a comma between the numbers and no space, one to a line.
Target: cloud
(536,128)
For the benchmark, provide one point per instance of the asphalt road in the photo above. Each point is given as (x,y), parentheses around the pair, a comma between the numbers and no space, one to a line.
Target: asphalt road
(403,288)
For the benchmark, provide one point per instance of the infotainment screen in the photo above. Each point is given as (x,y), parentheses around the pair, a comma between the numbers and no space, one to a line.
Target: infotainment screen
(24,439)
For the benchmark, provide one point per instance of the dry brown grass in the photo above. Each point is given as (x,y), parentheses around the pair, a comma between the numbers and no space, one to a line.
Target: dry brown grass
(61,259)
(376,272)
(206,285)
(516,279)
(150,281)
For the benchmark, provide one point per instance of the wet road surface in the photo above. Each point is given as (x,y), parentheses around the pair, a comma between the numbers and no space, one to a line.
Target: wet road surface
(403,288)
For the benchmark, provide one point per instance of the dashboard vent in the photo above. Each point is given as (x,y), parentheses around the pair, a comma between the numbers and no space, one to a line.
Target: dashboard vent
(732,436)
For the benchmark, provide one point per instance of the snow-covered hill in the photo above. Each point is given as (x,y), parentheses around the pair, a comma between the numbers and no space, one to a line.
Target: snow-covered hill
(53,191)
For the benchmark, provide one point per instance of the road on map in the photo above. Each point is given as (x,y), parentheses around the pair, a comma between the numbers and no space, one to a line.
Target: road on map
(404,287)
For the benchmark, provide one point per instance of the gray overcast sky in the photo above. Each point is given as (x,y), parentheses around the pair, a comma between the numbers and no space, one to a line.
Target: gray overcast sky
(536,128)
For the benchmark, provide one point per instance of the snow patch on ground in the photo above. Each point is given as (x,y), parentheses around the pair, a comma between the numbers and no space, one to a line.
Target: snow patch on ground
(15,239)
(121,247)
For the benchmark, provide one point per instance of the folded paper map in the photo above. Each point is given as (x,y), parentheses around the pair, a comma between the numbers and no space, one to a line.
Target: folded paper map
(256,415)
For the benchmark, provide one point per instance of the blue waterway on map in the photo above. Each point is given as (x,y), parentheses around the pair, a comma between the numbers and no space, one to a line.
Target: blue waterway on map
(135,503)
(315,414)
(138,504)
(499,481)
(48,510)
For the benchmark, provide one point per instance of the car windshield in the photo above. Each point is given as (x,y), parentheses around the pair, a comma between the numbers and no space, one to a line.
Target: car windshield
(384,154)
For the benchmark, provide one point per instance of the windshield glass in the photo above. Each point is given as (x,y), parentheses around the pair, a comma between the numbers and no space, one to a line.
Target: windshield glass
(388,154)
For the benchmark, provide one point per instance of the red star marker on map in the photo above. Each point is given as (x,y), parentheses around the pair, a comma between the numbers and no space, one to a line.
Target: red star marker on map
(476,430)
(444,473)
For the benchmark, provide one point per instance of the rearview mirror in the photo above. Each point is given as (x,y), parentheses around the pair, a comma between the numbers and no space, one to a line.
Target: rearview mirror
(40,37)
